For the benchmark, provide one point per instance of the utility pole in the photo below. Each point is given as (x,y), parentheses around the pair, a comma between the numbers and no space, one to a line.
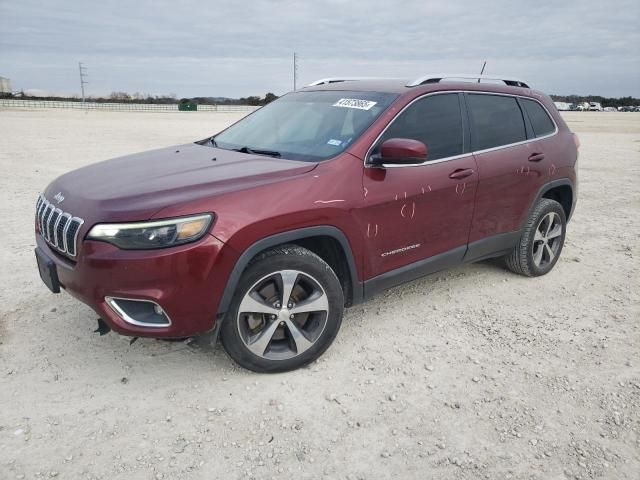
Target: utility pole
(83,74)
(295,71)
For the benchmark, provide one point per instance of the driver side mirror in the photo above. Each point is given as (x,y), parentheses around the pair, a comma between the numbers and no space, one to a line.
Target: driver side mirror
(400,151)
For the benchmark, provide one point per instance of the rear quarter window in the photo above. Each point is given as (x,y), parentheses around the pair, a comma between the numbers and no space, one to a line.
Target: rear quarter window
(497,120)
(539,118)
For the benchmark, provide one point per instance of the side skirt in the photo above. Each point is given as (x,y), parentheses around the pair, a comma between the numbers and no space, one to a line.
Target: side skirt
(415,270)
(493,246)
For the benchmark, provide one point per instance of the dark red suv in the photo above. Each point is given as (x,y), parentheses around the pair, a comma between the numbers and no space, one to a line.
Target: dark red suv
(267,230)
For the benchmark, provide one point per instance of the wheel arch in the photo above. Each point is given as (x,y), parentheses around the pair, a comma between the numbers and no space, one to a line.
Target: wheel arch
(561,190)
(326,241)
(563,194)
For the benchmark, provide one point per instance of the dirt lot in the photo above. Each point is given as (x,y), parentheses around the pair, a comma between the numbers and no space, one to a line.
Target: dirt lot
(473,373)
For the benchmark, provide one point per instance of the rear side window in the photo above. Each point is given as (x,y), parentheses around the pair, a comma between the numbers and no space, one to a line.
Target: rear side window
(539,118)
(496,120)
(435,120)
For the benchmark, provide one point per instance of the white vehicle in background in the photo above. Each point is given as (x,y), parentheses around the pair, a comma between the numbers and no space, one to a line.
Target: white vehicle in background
(610,109)
(595,107)
(582,107)
(563,106)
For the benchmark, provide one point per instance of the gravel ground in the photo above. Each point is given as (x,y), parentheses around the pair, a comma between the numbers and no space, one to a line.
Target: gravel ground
(473,373)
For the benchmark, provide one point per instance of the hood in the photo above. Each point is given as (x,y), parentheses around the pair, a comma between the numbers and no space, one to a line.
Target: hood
(134,187)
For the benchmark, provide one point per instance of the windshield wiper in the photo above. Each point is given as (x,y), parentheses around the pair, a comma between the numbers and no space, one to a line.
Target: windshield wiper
(257,151)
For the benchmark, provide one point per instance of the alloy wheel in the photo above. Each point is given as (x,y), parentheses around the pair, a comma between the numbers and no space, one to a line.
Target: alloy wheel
(547,240)
(282,315)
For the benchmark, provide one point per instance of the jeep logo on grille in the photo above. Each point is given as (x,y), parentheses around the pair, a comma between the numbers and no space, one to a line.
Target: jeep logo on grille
(58,197)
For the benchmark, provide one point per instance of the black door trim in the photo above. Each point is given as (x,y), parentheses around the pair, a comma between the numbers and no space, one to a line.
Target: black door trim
(414,270)
(493,246)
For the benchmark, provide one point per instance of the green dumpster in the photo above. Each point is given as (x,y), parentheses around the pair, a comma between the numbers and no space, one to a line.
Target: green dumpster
(187,106)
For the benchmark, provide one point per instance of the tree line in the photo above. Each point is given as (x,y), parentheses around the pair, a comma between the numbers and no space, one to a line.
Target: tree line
(604,101)
(124,97)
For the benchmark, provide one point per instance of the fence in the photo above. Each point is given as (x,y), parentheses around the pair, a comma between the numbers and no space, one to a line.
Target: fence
(130,107)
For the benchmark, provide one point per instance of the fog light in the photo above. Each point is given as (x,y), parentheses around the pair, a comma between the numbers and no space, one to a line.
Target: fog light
(144,313)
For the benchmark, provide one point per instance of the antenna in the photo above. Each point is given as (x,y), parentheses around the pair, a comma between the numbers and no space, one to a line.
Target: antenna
(482,70)
(83,74)
(295,71)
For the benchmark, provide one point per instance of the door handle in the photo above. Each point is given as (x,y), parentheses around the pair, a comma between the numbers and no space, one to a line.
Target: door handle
(536,157)
(461,173)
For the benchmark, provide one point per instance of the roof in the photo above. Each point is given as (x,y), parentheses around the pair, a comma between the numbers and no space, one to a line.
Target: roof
(399,86)
(390,85)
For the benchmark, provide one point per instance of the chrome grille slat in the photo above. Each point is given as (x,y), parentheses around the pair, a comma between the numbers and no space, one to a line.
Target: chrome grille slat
(64,234)
(45,205)
(72,235)
(55,228)
(39,212)
(45,221)
(51,225)
(60,229)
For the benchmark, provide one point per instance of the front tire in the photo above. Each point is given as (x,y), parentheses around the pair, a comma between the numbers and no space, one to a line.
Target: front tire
(542,240)
(285,313)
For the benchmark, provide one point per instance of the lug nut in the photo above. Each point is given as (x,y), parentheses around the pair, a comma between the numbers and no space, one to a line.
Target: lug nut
(290,305)
(291,316)
(282,323)
(273,317)
(277,305)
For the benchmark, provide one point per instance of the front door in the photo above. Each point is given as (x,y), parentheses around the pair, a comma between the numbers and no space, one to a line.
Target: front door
(412,213)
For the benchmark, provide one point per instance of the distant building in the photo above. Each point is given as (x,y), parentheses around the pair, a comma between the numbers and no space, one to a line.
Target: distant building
(36,92)
(5,85)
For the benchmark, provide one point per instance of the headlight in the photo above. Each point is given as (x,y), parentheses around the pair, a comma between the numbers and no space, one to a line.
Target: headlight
(152,234)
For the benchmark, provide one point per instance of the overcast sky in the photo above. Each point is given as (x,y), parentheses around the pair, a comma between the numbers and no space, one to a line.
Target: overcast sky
(227,48)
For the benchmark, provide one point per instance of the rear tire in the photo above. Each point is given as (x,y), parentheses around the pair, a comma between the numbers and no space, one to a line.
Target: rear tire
(540,245)
(285,313)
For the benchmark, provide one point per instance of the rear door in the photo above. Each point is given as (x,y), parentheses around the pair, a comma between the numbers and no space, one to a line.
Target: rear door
(415,212)
(511,166)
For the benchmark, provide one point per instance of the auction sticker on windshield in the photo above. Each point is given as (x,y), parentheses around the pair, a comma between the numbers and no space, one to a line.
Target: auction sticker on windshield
(354,103)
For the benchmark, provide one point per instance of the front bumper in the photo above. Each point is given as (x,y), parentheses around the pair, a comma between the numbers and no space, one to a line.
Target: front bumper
(187,281)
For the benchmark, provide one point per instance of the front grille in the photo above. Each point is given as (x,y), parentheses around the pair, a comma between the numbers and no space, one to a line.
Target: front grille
(58,228)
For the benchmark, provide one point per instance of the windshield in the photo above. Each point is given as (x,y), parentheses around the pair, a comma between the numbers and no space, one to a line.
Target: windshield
(309,126)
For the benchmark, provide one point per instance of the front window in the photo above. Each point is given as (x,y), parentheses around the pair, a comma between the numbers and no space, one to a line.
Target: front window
(435,120)
(308,126)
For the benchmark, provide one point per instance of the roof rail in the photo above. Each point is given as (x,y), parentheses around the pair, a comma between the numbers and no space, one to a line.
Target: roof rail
(437,77)
(324,81)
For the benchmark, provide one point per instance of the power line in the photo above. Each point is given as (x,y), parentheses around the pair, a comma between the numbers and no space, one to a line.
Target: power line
(83,74)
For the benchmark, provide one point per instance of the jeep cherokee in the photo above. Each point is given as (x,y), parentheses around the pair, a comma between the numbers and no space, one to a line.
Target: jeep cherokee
(266,231)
